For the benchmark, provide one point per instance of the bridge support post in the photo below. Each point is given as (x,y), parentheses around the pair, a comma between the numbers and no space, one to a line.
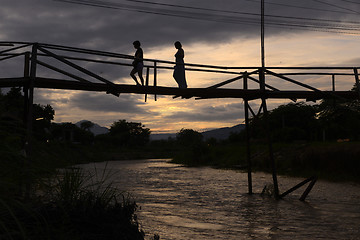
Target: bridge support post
(268,133)
(24,171)
(29,99)
(26,86)
(247,128)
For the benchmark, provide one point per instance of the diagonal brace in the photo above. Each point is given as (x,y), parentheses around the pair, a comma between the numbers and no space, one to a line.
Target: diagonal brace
(232,80)
(112,86)
(312,181)
(62,72)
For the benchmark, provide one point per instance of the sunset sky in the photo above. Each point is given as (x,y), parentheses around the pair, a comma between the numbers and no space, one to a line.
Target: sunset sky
(213,32)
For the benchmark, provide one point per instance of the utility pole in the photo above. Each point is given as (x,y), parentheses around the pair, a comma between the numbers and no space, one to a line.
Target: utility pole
(266,114)
(262,34)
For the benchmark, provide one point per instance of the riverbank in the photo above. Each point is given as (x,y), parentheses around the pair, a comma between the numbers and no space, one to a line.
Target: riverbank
(334,161)
(39,201)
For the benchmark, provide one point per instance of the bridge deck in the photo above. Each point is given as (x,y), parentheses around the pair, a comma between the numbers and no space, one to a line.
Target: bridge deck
(187,93)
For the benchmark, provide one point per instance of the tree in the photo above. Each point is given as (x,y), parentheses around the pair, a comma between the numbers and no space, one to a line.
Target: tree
(293,121)
(70,133)
(340,118)
(12,114)
(86,125)
(125,133)
(13,103)
(42,117)
(188,137)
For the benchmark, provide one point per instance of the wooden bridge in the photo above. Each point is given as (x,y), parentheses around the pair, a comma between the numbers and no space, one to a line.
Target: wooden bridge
(39,63)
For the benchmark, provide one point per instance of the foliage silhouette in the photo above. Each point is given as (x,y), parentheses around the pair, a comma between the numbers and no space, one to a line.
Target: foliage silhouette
(125,133)
(188,137)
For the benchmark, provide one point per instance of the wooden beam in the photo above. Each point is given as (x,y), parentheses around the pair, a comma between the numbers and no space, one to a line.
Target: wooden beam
(62,72)
(250,94)
(110,85)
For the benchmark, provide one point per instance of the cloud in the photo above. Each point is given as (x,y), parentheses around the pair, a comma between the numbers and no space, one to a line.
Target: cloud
(103,28)
(227,112)
(100,102)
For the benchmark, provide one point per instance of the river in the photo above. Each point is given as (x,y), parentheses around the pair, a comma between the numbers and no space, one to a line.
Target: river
(178,202)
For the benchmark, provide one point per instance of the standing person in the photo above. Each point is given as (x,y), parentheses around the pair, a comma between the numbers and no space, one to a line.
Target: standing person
(138,63)
(179,69)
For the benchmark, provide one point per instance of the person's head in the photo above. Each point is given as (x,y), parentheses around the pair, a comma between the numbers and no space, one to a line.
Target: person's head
(177,45)
(136,44)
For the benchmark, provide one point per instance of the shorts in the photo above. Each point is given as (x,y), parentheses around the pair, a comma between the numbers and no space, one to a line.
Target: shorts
(139,66)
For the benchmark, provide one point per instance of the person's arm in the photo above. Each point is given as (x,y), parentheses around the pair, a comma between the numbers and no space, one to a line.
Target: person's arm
(136,58)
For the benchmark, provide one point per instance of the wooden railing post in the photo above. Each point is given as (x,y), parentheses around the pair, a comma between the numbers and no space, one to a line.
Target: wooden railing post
(357,82)
(155,78)
(146,81)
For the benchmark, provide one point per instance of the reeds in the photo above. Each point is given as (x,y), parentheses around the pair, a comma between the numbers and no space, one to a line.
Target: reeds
(73,204)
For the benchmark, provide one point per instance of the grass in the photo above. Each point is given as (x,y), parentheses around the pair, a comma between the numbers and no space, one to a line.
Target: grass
(67,204)
(72,205)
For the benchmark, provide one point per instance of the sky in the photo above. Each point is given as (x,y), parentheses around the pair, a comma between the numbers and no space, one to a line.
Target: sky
(213,32)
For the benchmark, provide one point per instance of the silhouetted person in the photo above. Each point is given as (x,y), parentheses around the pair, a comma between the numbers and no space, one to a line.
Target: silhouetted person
(179,69)
(138,63)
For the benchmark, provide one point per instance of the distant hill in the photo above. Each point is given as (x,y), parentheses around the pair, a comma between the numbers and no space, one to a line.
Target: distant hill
(219,133)
(223,133)
(96,129)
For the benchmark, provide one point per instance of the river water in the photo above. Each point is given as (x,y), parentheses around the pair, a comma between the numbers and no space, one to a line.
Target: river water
(178,202)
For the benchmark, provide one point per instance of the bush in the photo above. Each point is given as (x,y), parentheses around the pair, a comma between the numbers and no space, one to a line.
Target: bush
(74,205)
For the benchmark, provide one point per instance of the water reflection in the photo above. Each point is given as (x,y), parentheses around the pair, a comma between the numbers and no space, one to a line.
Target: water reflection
(204,203)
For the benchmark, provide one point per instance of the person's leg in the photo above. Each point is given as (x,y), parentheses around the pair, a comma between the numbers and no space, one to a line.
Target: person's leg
(140,72)
(132,74)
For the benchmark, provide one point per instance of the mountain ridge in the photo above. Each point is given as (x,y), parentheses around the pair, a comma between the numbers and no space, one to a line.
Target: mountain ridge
(218,133)
(96,129)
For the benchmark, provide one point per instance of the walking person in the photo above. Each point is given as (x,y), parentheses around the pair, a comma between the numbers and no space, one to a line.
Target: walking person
(138,63)
(179,69)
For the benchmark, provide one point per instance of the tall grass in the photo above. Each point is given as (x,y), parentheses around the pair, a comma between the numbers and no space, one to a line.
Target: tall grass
(74,204)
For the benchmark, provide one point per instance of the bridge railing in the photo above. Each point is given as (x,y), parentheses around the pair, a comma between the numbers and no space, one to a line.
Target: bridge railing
(45,54)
